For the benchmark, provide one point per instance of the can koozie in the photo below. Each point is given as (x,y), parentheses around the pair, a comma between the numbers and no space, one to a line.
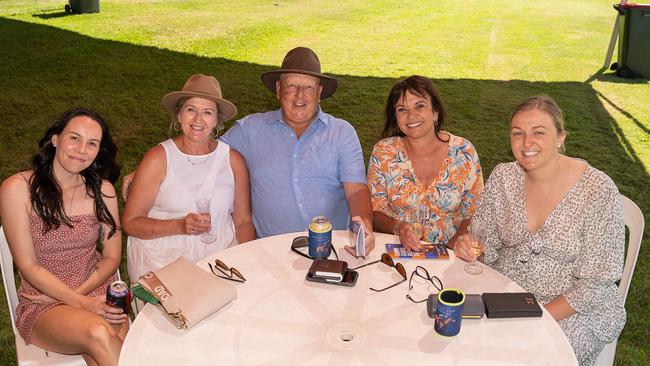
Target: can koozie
(320,237)
(449,312)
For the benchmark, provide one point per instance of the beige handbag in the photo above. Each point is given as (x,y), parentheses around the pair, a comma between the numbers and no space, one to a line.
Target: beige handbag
(187,294)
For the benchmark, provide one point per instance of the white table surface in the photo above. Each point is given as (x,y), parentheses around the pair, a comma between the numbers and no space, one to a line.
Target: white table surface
(280,318)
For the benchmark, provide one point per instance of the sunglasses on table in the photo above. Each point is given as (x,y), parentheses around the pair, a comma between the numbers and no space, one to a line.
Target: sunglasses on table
(225,272)
(423,273)
(302,242)
(387,260)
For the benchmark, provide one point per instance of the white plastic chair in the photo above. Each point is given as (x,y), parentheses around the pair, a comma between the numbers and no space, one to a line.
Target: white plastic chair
(634,222)
(26,354)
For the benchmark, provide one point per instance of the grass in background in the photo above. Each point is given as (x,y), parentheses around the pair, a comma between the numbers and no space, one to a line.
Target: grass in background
(485,56)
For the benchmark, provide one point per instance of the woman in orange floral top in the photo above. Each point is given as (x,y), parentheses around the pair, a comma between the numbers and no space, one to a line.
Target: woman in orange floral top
(424,181)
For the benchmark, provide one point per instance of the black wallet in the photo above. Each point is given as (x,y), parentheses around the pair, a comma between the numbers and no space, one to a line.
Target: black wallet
(511,305)
(332,272)
(328,269)
(349,279)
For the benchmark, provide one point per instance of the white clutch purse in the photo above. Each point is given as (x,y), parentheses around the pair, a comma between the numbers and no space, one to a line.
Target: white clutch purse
(187,294)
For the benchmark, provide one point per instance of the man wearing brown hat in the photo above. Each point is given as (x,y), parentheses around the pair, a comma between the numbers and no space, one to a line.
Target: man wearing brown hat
(302,161)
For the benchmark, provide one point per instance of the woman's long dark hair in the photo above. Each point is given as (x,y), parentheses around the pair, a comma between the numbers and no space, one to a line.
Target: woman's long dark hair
(418,85)
(45,192)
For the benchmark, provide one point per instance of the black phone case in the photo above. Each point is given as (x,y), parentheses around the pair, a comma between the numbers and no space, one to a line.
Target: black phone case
(473,309)
(349,279)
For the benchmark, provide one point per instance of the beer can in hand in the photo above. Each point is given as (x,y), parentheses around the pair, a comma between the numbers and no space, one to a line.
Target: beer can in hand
(118,295)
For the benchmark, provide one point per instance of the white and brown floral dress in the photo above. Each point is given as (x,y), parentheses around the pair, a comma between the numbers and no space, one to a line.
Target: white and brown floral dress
(578,252)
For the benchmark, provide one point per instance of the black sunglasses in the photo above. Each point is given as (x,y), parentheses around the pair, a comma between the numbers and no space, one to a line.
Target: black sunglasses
(387,260)
(303,241)
(423,273)
(232,273)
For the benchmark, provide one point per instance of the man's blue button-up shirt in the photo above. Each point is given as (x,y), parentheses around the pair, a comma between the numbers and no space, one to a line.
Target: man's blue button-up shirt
(293,180)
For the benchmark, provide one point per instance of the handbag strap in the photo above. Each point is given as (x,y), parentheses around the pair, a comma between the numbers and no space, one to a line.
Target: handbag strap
(160,291)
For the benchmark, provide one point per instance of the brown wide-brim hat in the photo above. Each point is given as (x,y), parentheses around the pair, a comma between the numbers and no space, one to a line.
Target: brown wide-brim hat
(201,86)
(301,60)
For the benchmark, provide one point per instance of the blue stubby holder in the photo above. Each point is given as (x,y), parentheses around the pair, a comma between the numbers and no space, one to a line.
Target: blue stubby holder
(320,247)
(320,237)
(320,244)
(449,312)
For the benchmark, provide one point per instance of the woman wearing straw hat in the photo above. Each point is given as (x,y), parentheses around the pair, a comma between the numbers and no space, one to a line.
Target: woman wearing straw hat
(161,213)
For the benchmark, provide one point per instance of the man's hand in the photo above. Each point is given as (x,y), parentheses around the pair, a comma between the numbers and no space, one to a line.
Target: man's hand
(369,237)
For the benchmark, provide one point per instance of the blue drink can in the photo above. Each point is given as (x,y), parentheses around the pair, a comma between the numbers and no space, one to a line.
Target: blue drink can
(118,295)
(320,237)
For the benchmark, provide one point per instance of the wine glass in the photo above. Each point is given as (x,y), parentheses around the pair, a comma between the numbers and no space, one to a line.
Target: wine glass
(424,216)
(203,208)
(420,221)
(478,232)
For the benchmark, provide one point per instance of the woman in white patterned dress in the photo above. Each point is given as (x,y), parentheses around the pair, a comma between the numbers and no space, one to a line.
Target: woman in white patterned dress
(554,225)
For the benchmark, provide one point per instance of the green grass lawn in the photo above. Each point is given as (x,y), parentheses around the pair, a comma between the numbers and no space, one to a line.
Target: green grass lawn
(485,56)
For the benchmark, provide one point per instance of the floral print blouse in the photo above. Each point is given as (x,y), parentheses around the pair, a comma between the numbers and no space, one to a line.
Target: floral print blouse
(451,197)
(578,252)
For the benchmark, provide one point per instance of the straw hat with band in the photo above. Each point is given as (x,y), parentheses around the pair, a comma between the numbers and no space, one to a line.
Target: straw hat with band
(201,86)
(301,60)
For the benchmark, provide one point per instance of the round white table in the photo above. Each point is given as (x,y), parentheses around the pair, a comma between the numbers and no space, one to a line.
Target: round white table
(280,318)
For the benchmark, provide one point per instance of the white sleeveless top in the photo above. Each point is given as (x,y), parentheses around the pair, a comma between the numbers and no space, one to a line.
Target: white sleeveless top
(188,178)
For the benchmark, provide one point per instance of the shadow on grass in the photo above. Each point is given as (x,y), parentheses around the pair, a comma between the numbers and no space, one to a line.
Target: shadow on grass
(60,14)
(604,74)
(625,113)
(47,70)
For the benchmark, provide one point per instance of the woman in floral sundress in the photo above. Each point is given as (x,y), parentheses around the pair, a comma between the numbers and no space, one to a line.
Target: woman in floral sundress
(420,175)
(554,225)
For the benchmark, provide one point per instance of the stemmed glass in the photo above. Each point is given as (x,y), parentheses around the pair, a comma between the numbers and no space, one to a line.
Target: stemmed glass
(203,208)
(421,219)
(478,232)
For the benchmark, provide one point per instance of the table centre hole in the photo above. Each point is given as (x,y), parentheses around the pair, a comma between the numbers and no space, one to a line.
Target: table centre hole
(347,336)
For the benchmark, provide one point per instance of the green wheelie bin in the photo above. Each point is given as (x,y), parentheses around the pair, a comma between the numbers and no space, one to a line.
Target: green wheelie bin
(82,6)
(633,40)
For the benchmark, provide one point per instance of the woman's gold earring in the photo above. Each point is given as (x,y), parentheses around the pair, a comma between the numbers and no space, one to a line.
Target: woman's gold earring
(216,131)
